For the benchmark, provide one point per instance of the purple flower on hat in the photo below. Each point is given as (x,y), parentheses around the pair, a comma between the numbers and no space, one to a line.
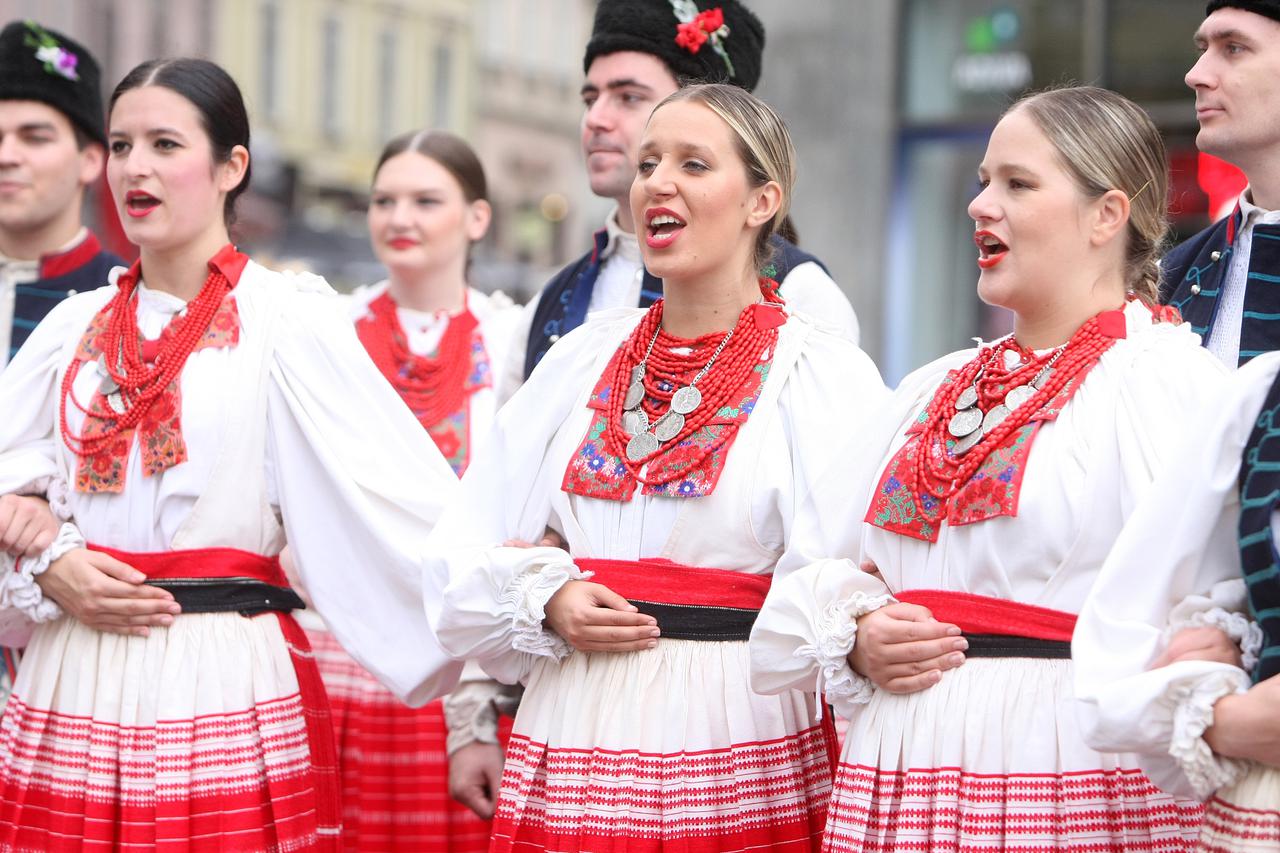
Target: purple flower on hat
(56,58)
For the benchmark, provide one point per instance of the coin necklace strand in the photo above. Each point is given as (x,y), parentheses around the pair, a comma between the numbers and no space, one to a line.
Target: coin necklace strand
(941,473)
(648,359)
(432,385)
(134,384)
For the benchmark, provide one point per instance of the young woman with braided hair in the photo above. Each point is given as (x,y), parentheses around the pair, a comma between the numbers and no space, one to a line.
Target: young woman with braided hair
(669,447)
(184,419)
(983,505)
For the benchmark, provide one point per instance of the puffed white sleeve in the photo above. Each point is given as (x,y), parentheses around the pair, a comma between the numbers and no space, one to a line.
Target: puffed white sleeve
(493,608)
(360,485)
(808,625)
(809,290)
(29,388)
(1174,565)
(511,371)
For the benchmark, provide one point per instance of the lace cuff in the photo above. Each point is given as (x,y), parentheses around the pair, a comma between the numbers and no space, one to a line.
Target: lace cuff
(471,712)
(527,596)
(59,497)
(1240,628)
(19,589)
(1193,713)
(837,627)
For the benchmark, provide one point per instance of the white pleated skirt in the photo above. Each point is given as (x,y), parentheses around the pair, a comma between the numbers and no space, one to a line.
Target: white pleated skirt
(1245,816)
(193,738)
(667,749)
(991,758)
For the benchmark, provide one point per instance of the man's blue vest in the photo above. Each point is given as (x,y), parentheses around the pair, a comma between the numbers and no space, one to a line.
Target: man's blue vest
(1193,273)
(83,268)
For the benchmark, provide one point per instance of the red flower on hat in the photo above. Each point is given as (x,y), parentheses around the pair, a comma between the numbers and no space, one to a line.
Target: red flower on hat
(710,20)
(691,36)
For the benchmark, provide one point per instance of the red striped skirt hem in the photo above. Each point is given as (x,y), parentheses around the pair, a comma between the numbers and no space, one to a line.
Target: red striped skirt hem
(949,809)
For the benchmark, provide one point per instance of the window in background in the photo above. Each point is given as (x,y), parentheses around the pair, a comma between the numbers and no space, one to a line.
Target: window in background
(387,124)
(329,77)
(442,100)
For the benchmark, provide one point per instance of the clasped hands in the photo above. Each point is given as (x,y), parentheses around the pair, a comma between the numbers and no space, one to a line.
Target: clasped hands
(96,589)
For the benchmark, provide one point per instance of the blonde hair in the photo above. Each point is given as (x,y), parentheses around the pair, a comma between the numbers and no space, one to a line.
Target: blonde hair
(762,142)
(1106,142)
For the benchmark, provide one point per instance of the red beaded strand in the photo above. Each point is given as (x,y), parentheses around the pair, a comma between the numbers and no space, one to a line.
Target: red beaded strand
(667,371)
(140,383)
(432,386)
(940,473)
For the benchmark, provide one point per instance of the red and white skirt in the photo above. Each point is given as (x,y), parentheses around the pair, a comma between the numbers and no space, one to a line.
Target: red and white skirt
(991,758)
(666,749)
(393,763)
(1246,816)
(209,735)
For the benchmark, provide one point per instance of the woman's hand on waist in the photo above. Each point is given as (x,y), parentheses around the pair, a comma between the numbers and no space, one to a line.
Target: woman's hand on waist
(903,649)
(105,594)
(593,618)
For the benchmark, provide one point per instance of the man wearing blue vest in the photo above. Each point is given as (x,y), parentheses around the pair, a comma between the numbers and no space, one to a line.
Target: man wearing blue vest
(1225,280)
(52,146)
(634,60)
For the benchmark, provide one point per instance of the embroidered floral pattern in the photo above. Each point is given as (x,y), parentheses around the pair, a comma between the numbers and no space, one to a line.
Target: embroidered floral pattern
(991,492)
(160,431)
(595,473)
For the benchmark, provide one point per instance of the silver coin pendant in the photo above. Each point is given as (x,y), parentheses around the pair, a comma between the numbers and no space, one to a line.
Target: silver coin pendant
(1018,396)
(1042,378)
(963,423)
(669,426)
(964,445)
(968,398)
(994,418)
(635,421)
(686,400)
(116,402)
(641,446)
(635,393)
(637,373)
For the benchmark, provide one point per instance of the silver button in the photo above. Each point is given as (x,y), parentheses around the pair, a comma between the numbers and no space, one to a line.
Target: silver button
(1213,256)
(1195,290)
(72,292)
(554,338)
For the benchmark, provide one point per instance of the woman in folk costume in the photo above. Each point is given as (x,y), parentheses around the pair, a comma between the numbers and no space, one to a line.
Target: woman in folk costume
(669,447)
(1178,647)
(435,339)
(184,419)
(991,491)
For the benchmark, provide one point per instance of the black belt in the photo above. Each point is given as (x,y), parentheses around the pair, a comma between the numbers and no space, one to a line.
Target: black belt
(999,646)
(230,595)
(699,622)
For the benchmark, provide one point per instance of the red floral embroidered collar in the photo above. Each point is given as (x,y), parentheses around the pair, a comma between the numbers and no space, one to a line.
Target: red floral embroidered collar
(102,466)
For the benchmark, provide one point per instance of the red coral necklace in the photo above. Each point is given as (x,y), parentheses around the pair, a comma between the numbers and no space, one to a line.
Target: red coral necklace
(135,373)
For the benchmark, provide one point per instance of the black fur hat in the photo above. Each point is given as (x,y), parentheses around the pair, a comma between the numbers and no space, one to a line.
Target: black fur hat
(44,65)
(712,41)
(1266,8)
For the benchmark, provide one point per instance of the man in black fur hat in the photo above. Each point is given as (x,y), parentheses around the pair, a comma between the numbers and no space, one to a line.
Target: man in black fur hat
(1224,280)
(52,146)
(640,51)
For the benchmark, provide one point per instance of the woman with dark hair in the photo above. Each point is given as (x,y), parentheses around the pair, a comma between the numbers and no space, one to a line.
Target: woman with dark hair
(669,447)
(434,338)
(987,496)
(185,419)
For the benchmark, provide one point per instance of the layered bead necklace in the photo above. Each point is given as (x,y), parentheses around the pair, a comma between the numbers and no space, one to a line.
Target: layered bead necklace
(965,456)
(990,398)
(136,373)
(434,387)
(671,395)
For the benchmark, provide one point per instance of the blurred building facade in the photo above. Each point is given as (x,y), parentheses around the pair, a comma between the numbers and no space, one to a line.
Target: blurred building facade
(890,103)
